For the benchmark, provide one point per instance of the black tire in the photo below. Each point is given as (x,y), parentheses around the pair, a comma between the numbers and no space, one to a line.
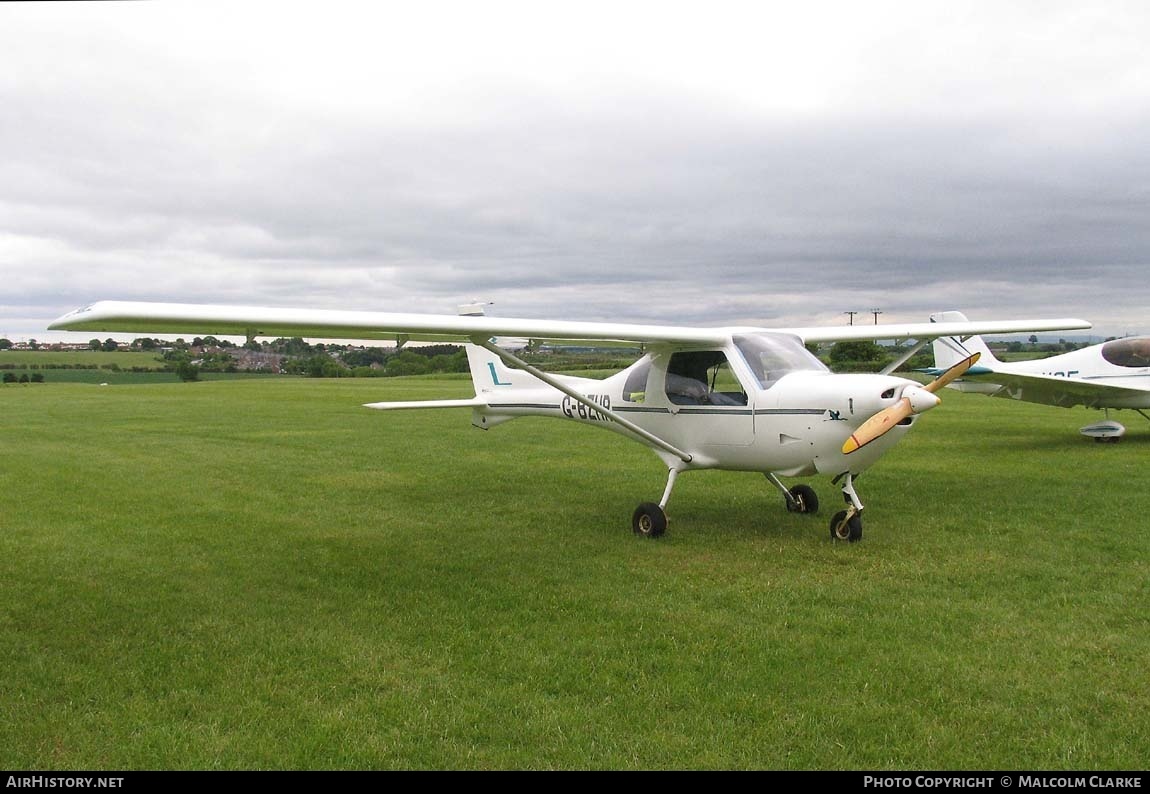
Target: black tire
(805,500)
(649,520)
(850,530)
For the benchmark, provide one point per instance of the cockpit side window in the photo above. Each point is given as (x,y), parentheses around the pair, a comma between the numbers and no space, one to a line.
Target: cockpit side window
(771,356)
(635,387)
(703,377)
(1132,352)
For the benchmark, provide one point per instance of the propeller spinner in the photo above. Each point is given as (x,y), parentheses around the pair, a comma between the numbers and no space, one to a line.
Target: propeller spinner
(914,400)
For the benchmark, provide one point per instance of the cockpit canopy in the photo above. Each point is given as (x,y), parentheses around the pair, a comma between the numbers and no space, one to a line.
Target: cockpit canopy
(771,356)
(1131,352)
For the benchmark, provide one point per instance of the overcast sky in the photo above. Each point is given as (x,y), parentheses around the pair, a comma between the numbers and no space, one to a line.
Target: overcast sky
(704,163)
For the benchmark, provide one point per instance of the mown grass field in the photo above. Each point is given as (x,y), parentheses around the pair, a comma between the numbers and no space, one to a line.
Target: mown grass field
(36,359)
(262,574)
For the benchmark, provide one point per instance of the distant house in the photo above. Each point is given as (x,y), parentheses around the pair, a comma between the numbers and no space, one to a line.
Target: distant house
(67,347)
(255,361)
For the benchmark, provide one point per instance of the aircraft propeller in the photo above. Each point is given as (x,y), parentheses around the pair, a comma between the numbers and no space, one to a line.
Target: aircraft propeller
(915,400)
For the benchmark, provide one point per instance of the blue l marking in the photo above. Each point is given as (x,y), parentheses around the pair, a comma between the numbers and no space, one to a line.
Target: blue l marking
(494,376)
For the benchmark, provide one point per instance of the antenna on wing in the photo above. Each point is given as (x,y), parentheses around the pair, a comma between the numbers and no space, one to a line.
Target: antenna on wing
(473,309)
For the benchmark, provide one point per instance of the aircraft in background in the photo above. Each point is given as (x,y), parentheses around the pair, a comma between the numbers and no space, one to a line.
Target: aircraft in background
(734,398)
(1114,374)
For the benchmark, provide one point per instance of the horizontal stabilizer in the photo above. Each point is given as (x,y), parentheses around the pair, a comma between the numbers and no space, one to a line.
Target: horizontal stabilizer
(973,371)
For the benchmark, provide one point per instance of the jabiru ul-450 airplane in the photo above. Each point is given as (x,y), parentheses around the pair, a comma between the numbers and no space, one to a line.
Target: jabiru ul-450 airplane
(733,398)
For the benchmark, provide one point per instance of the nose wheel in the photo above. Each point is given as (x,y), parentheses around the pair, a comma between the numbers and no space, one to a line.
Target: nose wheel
(847,524)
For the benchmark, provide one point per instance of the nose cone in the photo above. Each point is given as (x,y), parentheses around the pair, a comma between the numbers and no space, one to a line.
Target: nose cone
(920,399)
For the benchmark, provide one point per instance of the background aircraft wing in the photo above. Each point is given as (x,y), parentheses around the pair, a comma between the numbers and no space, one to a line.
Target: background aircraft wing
(920,331)
(1051,390)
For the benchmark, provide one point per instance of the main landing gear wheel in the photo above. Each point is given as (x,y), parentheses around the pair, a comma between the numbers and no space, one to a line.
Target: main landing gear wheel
(803,500)
(846,528)
(649,520)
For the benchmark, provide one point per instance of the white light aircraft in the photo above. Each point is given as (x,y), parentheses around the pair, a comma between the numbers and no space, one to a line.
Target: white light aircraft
(1114,374)
(734,398)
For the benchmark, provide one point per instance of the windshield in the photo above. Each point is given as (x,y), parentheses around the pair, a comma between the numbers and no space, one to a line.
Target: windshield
(771,356)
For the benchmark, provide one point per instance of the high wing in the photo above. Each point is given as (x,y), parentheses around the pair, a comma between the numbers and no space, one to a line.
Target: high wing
(252,321)
(1051,390)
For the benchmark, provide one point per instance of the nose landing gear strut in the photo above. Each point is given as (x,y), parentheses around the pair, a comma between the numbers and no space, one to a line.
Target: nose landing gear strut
(847,524)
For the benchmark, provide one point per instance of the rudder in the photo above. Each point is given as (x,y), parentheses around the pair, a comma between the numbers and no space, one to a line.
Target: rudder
(949,350)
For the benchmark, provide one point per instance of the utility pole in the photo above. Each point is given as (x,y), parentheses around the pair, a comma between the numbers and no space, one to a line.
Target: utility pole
(852,316)
(876,313)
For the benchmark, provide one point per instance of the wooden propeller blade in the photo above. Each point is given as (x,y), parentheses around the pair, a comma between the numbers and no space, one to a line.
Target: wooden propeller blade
(954,372)
(878,425)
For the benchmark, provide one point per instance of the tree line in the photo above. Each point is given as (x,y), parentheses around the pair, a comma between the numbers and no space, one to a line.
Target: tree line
(295,356)
(35,377)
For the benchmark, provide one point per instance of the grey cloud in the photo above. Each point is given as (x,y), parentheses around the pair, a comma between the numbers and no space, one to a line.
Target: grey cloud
(638,205)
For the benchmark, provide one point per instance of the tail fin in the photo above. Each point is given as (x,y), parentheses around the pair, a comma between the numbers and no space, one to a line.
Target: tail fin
(949,350)
(490,376)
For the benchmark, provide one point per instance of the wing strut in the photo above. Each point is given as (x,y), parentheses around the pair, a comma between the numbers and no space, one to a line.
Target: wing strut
(894,365)
(555,384)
